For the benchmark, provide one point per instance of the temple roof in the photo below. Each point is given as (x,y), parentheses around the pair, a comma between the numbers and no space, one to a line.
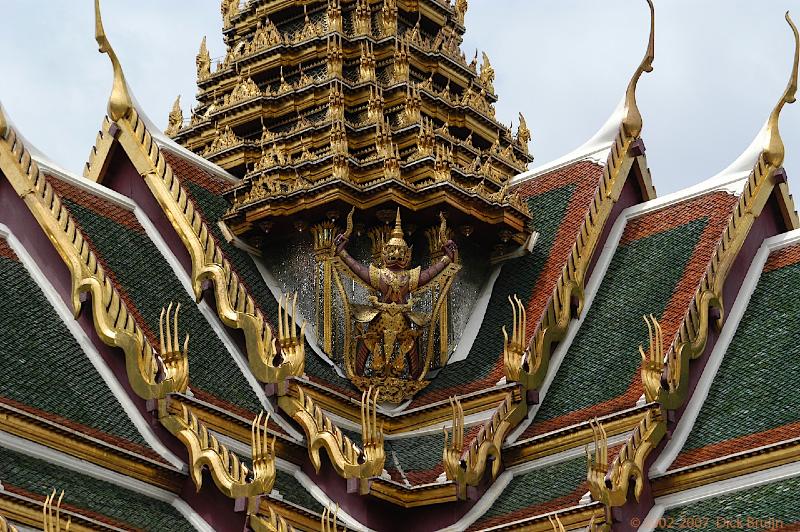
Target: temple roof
(631,360)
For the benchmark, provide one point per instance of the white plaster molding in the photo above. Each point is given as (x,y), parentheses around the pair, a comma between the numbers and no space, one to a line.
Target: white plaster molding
(473,325)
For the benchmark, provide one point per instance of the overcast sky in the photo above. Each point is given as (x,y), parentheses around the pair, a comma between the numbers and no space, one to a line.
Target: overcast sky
(720,67)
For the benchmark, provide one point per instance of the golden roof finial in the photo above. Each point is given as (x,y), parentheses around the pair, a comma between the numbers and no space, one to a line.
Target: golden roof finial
(120,102)
(774,151)
(632,121)
(397,232)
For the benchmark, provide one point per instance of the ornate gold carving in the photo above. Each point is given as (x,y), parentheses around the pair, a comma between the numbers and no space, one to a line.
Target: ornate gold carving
(690,342)
(568,292)
(363,18)
(274,523)
(461,7)
(523,134)
(119,103)
(235,305)
(389,335)
(334,14)
(112,320)
(5,527)
(467,468)
(774,151)
(611,485)
(226,140)
(487,74)
(389,18)
(330,520)
(51,514)
(203,61)
(230,475)
(175,118)
(367,63)
(349,461)
(632,121)
(335,57)
(516,350)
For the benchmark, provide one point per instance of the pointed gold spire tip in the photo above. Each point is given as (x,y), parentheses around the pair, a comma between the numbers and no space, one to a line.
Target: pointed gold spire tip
(632,121)
(120,102)
(775,151)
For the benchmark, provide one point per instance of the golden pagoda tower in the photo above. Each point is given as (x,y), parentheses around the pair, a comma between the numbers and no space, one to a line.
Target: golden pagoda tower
(321,105)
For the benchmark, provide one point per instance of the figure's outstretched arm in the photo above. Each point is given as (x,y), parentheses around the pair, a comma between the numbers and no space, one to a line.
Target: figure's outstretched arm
(358,269)
(438,267)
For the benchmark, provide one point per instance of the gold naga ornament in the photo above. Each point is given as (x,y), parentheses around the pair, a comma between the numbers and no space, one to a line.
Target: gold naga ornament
(392,345)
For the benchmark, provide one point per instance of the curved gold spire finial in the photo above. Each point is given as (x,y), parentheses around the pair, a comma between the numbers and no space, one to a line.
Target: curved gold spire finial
(774,150)
(632,122)
(120,103)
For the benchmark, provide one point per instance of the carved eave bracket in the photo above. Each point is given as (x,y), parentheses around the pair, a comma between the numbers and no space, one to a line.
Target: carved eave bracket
(468,467)
(230,475)
(348,459)
(610,483)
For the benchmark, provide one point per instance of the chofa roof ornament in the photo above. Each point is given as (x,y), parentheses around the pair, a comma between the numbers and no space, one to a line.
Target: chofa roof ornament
(632,120)
(774,150)
(120,102)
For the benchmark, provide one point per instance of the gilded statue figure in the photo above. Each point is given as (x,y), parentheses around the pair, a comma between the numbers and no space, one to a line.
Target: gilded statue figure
(391,328)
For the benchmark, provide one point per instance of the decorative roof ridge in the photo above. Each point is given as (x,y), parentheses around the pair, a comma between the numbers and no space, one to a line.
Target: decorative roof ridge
(235,305)
(665,372)
(695,403)
(739,456)
(527,360)
(65,461)
(469,467)
(112,320)
(231,477)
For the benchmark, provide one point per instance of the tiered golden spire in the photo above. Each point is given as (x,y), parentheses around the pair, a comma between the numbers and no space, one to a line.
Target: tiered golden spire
(336,58)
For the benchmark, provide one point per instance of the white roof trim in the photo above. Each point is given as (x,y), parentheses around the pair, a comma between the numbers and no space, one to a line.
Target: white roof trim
(595,149)
(60,307)
(57,458)
(696,401)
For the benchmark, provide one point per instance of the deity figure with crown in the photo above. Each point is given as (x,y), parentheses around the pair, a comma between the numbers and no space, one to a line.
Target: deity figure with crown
(388,330)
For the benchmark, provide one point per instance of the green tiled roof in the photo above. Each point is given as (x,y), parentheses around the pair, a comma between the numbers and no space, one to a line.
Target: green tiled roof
(292,491)
(151,283)
(43,365)
(775,501)
(517,276)
(603,358)
(756,388)
(40,477)
(539,486)
(421,453)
